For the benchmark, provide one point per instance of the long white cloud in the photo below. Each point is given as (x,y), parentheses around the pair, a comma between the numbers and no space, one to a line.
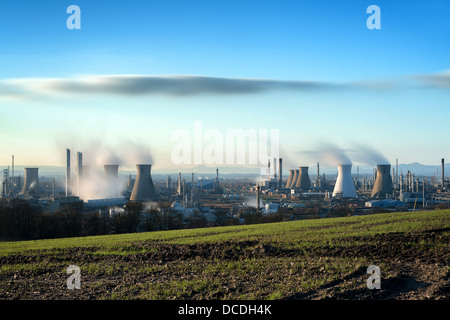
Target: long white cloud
(177,85)
(183,85)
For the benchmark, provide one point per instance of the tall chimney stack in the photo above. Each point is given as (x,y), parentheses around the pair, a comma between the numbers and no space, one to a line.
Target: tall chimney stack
(280,174)
(80,169)
(442,173)
(67,171)
(258,195)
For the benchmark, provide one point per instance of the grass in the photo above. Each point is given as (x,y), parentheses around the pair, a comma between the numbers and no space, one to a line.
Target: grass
(115,267)
(288,234)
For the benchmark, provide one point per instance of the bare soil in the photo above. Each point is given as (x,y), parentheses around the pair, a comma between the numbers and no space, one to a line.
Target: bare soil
(413,266)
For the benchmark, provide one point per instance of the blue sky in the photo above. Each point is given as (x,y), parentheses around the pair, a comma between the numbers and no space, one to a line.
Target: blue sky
(390,87)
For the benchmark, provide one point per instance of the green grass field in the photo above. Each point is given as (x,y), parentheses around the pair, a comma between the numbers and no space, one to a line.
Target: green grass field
(287,234)
(308,259)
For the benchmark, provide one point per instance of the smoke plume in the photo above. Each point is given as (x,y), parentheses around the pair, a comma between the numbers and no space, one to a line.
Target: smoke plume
(367,155)
(95,154)
(329,154)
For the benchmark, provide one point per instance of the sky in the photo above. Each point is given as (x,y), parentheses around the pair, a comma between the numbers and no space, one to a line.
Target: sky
(138,71)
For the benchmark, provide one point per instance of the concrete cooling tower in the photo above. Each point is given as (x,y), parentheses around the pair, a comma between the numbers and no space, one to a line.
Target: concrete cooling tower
(143,189)
(303,181)
(383,183)
(31,182)
(344,184)
(290,178)
(294,179)
(111,171)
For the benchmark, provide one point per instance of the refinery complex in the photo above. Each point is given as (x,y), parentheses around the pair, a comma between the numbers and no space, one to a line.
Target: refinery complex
(291,193)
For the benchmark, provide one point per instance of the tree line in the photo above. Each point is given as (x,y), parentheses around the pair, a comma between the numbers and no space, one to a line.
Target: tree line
(21,220)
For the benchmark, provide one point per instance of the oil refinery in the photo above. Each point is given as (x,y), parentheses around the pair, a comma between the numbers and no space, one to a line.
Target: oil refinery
(292,194)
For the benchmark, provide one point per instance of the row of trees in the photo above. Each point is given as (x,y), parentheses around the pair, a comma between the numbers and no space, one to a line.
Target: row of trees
(20,219)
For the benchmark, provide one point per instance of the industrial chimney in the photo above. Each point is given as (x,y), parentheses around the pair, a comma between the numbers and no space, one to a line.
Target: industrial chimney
(303,181)
(31,183)
(280,174)
(258,198)
(67,172)
(290,178)
(442,173)
(344,184)
(383,183)
(80,170)
(143,189)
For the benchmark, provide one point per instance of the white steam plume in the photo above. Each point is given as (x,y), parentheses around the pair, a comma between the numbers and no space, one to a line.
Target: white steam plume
(367,155)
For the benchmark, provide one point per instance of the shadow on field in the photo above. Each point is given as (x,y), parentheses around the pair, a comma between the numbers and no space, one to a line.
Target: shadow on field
(391,288)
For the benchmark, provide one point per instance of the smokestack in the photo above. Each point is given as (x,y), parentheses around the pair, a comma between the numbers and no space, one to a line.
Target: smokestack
(280,174)
(67,171)
(143,189)
(383,184)
(396,173)
(303,181)
(31,183)
(294,179)
(344,182)
(290,178)
(80,169)
(442,173)
(258,195)
(12,178)
(275,168)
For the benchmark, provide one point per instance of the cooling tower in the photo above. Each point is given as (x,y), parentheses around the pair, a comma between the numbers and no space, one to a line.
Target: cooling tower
(383,183)
(31,182)
(294,179)
(111,171)
(290,178)
(344,184)
(143,189)
(303,181)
